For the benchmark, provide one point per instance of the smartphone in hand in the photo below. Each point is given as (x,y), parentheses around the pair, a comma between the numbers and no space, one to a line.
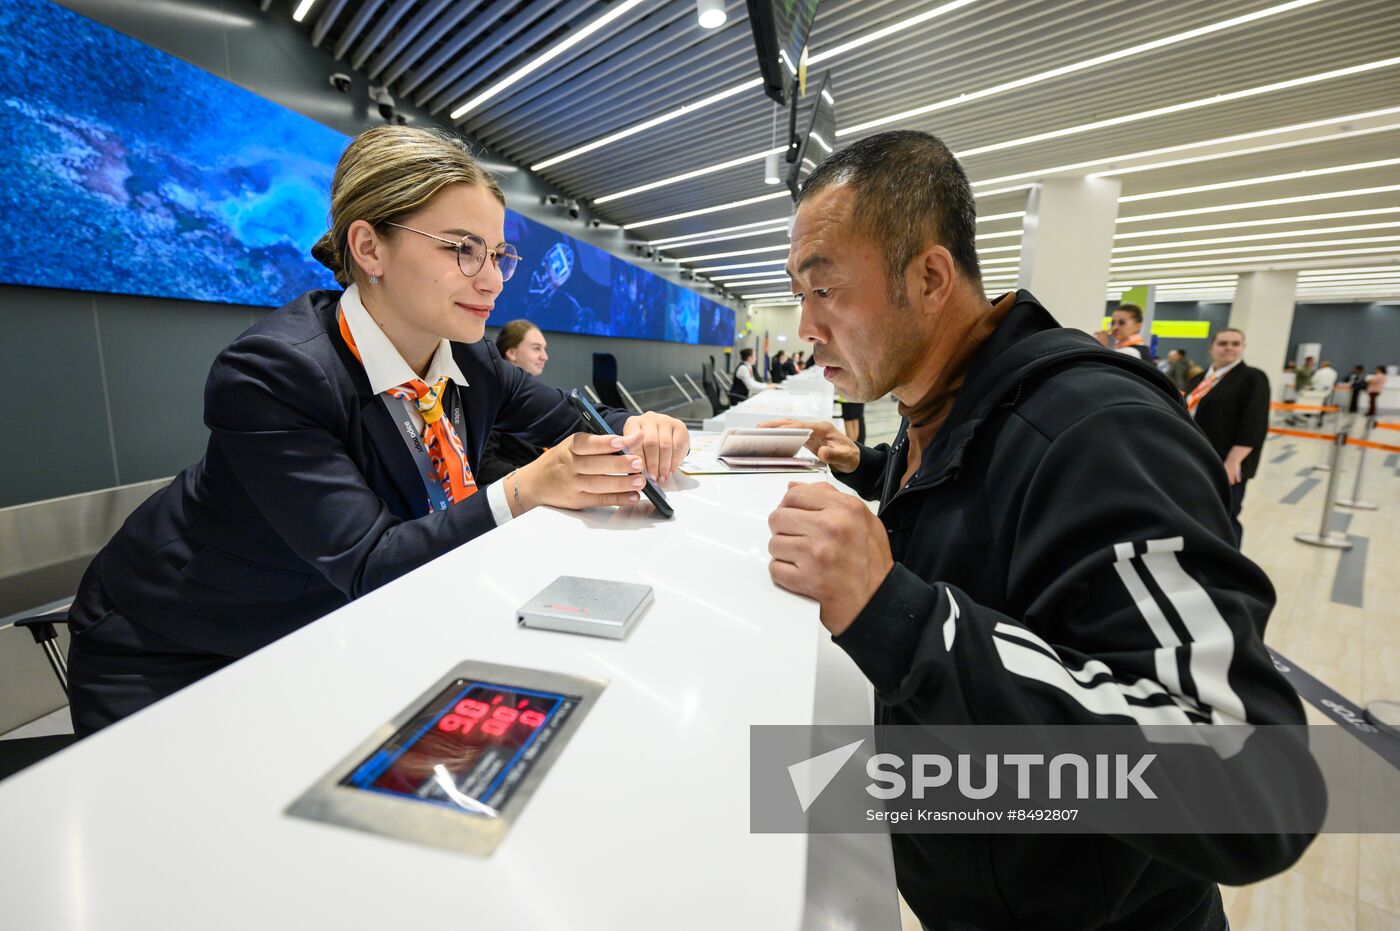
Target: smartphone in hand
(594,423)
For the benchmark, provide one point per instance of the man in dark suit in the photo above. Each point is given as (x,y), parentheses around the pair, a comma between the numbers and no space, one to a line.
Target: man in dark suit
(1230,402)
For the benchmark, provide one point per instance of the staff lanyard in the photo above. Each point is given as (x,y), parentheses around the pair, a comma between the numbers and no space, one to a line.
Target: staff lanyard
(418,449)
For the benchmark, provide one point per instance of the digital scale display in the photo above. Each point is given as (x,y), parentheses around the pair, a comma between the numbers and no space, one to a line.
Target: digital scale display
(468,748)
(455,768)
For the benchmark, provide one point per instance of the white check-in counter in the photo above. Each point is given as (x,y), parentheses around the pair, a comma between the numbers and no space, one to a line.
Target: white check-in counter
(176,817)
(804,396)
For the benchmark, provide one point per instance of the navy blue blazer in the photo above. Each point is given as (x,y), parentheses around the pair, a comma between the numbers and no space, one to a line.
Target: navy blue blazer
(307,496)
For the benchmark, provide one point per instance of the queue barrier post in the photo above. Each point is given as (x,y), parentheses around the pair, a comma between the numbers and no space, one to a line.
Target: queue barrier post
(1325,536)
(1355,502)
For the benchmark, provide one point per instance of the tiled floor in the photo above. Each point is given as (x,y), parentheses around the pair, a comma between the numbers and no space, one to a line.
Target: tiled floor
(1346,882)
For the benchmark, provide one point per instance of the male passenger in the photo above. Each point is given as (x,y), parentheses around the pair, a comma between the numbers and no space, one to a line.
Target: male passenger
(1044,508)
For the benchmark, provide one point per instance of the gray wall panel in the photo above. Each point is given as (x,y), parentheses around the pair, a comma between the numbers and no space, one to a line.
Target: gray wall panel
(53,425)
(1350,334)
(158,354)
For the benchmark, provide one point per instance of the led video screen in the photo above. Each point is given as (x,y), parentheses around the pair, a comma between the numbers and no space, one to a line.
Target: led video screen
(133,172)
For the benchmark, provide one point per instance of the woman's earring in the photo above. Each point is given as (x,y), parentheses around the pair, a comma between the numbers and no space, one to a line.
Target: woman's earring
(374,279)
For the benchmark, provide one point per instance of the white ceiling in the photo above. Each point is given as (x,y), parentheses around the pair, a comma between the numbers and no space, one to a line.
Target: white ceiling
(1307,86)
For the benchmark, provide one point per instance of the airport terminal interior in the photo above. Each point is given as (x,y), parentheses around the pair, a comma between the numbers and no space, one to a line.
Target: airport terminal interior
(1199,193)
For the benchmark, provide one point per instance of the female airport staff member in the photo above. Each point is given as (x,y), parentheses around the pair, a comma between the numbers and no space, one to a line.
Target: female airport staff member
(521,344)
(343,428)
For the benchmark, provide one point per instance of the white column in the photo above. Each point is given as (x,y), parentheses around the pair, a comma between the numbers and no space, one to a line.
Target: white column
(1066,245)
(1263,309)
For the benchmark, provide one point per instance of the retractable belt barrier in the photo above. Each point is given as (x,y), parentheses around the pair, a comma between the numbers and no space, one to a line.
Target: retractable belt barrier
(1315,408)
(1325,536)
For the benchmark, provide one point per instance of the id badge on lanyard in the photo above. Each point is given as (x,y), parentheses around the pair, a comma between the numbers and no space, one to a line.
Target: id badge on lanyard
(418,447)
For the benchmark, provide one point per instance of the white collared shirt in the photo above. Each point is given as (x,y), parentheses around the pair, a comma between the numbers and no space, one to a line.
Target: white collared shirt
(1213,372)
(386,368)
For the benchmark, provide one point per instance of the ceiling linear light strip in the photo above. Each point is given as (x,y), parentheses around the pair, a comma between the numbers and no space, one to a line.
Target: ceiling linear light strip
(762,282)
(1264,179)
(683,110)
(1255,260)
(1320,244)
(704,210)
(573,39)
(1007,235)
(671,240)
(1349,269)
(1015,248)
(1072,68)
(885,32)
(1013,215)
(1222,140)
(1246,224)
(739,277)
(689,175)
(722,238)
(1182,107)
(1310,275)
(302,9)
(720,268)
(696,106)
(1285,234)
(1189,279)
(989,218)
(1274,202)
(1147,114)
(737,252)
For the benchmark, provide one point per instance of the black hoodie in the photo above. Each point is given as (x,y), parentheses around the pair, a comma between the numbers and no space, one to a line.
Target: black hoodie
(1076,517)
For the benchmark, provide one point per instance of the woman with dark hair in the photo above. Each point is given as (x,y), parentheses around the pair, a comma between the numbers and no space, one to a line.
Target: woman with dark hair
(344,429)
(521,344)
(778,369)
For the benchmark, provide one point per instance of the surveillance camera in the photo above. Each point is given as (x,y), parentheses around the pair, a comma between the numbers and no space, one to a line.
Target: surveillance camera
(573,209)
(341,82)
(553,200)
(687,275)
(381,96)
(595,223)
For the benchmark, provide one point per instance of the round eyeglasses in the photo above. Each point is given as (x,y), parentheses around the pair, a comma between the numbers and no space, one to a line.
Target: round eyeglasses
(472,252)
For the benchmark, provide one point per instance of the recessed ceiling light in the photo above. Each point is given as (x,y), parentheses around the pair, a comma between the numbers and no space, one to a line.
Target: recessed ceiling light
(710,13)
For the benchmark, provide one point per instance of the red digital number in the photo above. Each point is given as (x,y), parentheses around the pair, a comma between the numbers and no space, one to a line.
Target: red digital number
(449,723)
(469,708)
(532,719)
(501,720)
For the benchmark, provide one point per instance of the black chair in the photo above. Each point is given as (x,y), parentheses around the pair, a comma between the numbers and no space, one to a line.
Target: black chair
(605,380)
(712,393)
(19,753)
(44,629)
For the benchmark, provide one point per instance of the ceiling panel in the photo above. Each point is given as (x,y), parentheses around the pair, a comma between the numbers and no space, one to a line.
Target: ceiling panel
(654,59)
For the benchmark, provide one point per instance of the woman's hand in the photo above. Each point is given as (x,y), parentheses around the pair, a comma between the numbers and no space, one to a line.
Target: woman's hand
(827,443)
(665,442)
(584,471)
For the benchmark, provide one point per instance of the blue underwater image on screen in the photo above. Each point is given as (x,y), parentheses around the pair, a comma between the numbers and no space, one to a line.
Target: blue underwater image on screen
(133,172)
